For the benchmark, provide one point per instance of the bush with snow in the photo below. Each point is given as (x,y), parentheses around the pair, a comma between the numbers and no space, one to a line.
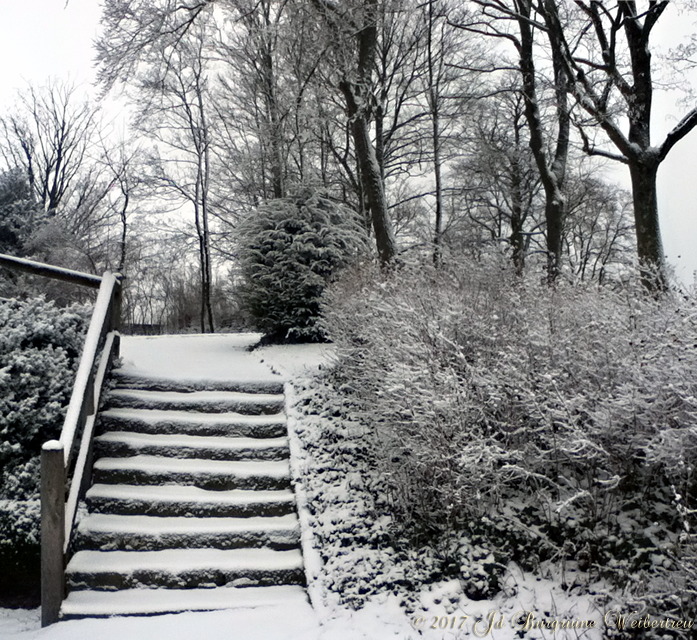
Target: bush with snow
(512,421)
(39,349)
(289,250)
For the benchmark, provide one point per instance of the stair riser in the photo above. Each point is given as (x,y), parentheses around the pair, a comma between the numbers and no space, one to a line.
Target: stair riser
(193,428)
(122,450)
(192,509)
(151,384)
(245,408)
(204,481)
(278,540)
(185,579)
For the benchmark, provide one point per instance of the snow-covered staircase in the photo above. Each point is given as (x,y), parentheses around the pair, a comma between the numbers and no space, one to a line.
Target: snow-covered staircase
(191,506)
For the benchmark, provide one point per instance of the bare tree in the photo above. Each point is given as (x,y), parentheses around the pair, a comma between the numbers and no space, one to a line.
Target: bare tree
(598,234)
(172,104)
(125,165)
(518,21)
(499,177)
(608,63)
(49,136)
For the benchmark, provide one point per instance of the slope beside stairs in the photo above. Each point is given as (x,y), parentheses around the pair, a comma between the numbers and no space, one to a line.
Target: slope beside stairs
(191,506)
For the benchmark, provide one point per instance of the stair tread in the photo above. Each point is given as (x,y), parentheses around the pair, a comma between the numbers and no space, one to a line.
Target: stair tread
(201,466)
(136,439)
(161,525)
(134,379)
(152,601)
(202,398)
(174,561)
(187,417)
(187,494)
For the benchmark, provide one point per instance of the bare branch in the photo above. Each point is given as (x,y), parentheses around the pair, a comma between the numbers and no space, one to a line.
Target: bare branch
(687,124)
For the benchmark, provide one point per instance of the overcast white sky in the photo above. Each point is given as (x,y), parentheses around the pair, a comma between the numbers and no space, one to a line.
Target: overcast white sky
(44,38)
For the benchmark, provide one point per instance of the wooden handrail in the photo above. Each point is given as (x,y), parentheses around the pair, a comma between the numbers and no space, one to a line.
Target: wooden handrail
(49,271)
(57,522)
(82,399)
(83,464)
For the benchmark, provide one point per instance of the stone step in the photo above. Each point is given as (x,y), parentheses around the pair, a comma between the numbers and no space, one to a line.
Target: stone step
(197,401)
(120,444)
(218,475)
(142,602)
(133,380)
(119,532)
(184,568)
(177,500)
(186,423)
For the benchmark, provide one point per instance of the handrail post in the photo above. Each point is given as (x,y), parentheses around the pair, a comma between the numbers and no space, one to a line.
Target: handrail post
(115,320)
(52,531)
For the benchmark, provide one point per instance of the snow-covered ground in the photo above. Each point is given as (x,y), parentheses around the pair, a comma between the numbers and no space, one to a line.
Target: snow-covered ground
(441,612)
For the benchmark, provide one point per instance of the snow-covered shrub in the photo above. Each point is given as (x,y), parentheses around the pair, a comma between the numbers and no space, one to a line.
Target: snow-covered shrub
(551,424)
(20,541)
(348,512)
(39,349)
(289,249)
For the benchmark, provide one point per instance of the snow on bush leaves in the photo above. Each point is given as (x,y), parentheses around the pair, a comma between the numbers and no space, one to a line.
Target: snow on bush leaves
(552,423)
(39,346)
(290,248)
(39,349)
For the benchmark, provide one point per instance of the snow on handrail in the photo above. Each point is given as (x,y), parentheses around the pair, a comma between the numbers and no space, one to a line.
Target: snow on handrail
(49,271)
(80,405)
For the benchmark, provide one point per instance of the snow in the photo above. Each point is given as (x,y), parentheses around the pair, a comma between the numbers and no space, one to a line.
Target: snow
(53,445)
(170,526)
(178,600)
(154,416)
(137,440)
(185,494)
(223,468)
(201,398)
(381,618)
(296,361)
(184,560)
(195,357)
(289,622)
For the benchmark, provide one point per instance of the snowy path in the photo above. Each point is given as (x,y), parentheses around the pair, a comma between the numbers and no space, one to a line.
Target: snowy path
(207,358)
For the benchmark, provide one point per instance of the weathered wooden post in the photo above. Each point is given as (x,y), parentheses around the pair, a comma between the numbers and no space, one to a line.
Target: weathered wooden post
(52,530)
(117,301)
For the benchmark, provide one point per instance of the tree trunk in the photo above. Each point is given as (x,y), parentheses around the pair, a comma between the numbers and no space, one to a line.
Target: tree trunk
(434,104)
(372,177)
(648,231)
(275,133)
(124,233)
(438,228)
(555,209)
(552,173)
(517,239)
